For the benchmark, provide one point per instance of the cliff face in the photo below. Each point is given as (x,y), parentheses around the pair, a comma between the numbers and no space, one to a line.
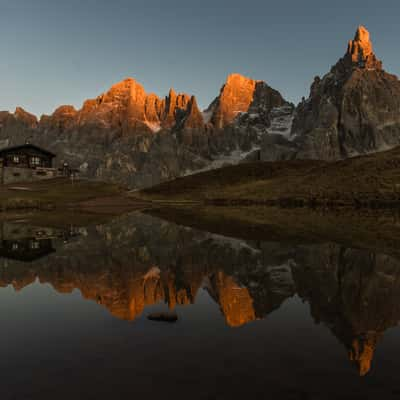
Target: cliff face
(235,97)
(125,109)
(352,110)
(128,136)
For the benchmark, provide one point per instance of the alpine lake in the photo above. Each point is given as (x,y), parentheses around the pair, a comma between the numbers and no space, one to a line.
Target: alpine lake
(194,304)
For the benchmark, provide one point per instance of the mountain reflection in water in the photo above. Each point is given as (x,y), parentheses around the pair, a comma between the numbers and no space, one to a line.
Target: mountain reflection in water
(137,261)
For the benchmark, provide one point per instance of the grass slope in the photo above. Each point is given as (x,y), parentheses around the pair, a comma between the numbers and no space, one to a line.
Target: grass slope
(372,180)
(57,193)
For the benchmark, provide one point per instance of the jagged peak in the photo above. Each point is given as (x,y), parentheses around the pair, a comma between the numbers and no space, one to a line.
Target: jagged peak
(193,109)
(236,95)
(171,93)
(193,102)
(21,111)
(152,96)
(360,50)
(236,77)
(65,109)
(128,80)
(193,118)
(125,84)
(362,34)
(25,116)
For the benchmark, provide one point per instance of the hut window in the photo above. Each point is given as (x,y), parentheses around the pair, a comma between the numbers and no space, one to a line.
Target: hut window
(15,246)
(35,160)
(35,245)
(15,159)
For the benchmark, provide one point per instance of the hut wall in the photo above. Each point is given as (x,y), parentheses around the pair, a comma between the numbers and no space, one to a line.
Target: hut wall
(17,174)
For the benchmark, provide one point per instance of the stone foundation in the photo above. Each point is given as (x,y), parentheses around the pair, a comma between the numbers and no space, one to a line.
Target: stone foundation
(14,174)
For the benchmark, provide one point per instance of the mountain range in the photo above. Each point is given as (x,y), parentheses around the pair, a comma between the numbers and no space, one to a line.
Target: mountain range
(138,139)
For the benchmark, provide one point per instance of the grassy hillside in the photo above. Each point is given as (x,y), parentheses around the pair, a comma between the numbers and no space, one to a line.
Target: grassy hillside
(57,193)
(372,180)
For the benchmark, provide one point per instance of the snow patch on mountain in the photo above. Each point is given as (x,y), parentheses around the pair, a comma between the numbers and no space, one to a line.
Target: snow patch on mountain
(234,158)
(281,121)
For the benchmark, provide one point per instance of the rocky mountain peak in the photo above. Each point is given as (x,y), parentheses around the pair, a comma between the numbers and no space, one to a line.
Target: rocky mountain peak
(236,79)
(125,88)
(171,93)
(27,118)
(175,106)
(352,110)
(194,118)
(360,50)
(65,110)
(62,118)
(242,96)
(236,96)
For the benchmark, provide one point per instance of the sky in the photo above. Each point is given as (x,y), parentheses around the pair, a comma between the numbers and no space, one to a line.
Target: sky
(62,52)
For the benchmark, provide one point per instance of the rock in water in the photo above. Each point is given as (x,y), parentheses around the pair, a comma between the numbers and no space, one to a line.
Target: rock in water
(163,317)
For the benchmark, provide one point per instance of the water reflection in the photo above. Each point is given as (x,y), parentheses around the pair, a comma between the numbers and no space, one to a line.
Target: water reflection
(137,261)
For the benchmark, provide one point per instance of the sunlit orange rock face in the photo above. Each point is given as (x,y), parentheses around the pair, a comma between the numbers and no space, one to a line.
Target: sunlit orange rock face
(128,107)
(194,118)
(360,50)
(29,119)
(153,108)
(125,106)
(173,105)
(362,351)
(62,119)
(235,301)
(236,96)
(126,294)
(192,127)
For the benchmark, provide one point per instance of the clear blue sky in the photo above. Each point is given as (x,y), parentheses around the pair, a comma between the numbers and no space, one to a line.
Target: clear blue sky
(62,52)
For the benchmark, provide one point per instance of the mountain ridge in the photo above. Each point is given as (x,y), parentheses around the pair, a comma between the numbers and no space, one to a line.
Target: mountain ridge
(352,110)
(129,136)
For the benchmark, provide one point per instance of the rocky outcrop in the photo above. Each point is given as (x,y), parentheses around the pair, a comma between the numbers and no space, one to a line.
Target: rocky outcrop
(352,110)
(360,52)
(241,95)
(137,139)
(63,119)
(25,118)
(235,97)
(127,109)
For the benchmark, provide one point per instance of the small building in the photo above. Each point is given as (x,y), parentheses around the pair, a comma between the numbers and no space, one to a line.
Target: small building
(26,163)
(26,250)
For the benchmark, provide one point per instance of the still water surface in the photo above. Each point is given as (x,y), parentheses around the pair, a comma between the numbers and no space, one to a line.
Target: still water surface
(256,319)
